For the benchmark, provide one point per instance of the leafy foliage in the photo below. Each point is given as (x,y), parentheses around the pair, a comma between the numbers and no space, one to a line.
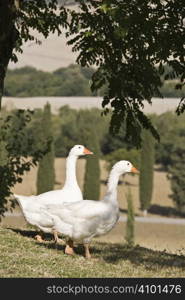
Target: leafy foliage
(17,18)
(43,16)
(169,127)
(15,159)
(74,127)
(46,171)
(123,39)
(68,132)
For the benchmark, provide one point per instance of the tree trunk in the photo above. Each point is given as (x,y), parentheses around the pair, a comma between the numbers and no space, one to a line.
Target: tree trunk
(8,38)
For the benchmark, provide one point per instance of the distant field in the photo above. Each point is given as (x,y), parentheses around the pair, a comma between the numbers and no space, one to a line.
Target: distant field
(158,106)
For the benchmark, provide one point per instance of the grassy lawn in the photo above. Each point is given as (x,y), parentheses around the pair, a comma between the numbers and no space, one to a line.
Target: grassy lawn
(22,256)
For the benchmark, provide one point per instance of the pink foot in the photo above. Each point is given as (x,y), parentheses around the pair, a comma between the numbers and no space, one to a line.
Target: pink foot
(39,238)
(69,250)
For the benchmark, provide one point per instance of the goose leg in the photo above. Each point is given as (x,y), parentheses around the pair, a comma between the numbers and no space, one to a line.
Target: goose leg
(87,253)
(40,237)
(69,248)
(56,239)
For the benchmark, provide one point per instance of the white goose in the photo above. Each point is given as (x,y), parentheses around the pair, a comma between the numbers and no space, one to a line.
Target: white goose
(71,192)
(83,220)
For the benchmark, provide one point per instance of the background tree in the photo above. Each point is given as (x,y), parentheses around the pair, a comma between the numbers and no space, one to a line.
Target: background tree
(68,131)
(122,38)
(15,157)
(46,170)
(89,135)
(129,235)
(176,172)
(132,155)
(16,19)
(146,170)
(91,188)
(170,154)
(69,81)
(169,127)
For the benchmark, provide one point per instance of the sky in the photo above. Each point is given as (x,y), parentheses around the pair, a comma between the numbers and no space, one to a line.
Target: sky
(52,54)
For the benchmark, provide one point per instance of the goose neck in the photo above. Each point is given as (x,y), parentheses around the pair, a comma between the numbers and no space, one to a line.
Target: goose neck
(71,171)
(111,194)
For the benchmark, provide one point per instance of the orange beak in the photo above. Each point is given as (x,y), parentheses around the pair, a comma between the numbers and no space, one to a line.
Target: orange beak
(87,151)
(134,170)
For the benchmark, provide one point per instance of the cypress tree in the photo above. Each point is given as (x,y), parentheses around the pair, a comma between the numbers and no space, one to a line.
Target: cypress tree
(129,236)
(92,170)
(146,170)
(46,171)
(176,173)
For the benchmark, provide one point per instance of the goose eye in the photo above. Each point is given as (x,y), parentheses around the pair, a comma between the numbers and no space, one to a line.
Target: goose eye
(128,164)
(79,147)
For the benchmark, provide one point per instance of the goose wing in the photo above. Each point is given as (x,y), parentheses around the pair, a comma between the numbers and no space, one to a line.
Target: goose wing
(78,211)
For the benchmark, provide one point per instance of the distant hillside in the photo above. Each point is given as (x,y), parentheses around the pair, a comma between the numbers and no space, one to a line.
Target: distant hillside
(67,81)
(29,82)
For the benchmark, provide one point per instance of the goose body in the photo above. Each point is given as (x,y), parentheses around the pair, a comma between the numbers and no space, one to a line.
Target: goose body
(83,220)
(31,205)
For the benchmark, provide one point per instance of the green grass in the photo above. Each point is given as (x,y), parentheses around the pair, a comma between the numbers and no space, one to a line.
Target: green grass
(22,256)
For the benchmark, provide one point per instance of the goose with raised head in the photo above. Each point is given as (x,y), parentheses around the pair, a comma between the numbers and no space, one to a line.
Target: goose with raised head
(30,205)
(83,220)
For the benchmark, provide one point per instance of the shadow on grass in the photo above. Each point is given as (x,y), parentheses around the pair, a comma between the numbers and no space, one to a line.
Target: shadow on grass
(31,233)
(49,241)
(78,249)
(125,211)
(165,211)
(115,253)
